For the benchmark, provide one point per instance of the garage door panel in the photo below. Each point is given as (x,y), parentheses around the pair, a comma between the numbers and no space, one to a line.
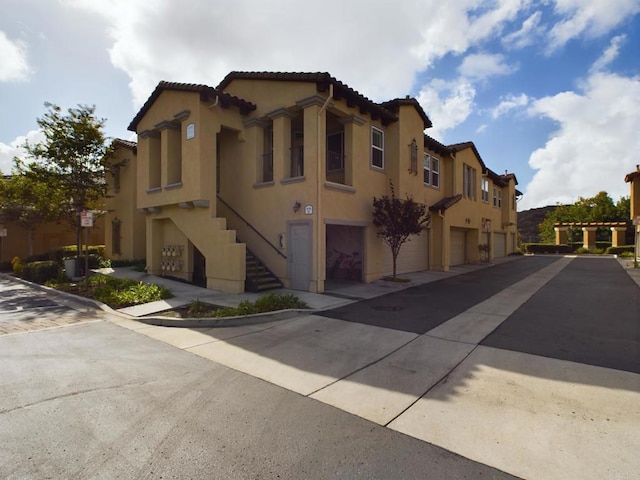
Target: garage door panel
(458,247)
(500,245)
(413,256)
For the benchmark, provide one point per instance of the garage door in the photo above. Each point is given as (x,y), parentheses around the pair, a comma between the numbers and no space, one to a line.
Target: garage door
(413,256)
(458,247)
(500,245)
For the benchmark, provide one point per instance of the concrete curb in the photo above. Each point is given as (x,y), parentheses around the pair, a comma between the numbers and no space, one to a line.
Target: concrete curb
(161,321)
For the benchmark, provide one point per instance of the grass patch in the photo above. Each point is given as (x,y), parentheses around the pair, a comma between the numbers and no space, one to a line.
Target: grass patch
(115,292)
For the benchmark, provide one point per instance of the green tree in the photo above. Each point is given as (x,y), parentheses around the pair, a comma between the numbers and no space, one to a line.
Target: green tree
(74,157)
(599,208)
(28,201)
(397,220)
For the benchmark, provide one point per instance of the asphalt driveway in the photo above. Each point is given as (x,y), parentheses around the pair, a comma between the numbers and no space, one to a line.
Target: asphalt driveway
(419,309)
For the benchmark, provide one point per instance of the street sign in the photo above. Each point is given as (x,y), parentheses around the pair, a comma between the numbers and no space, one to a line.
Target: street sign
(86,219)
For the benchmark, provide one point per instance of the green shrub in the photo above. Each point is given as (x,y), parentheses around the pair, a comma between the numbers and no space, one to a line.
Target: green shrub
(620,249)
(123,262)
(116,292)
(72,250)
(40,272)
(546,248)
(16,266)
(267,303)
(626,255)
(582,250)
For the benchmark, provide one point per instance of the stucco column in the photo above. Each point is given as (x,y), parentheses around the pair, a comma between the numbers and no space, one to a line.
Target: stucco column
(281,143)
(350,123)
(617,236)
(561,235)
(589,237)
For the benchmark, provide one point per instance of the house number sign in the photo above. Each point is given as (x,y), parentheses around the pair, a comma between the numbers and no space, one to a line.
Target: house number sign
(308,210)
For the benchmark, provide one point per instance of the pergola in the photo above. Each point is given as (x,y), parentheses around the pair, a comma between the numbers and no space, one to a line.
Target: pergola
(589,229)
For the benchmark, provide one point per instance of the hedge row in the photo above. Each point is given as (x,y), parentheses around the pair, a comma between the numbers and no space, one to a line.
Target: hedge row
(573,248)
(60,253)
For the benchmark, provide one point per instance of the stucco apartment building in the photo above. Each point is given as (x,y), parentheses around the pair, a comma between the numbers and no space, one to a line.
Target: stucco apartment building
(633,179)
(280,170)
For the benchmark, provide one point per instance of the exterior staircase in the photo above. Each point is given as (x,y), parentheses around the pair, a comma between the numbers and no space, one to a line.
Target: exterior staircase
(259,277)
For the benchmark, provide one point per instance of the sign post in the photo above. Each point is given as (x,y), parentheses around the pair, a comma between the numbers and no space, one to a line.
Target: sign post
(86,221)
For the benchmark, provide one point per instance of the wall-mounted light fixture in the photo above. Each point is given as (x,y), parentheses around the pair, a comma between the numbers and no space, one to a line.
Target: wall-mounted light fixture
(296,207)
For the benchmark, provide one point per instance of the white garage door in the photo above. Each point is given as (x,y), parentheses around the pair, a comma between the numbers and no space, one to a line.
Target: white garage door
(413,256)
(458,247)
(500,245)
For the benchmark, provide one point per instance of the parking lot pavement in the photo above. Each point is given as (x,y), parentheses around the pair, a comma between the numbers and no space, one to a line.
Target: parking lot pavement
(23,309)
(419,309)
(589,313)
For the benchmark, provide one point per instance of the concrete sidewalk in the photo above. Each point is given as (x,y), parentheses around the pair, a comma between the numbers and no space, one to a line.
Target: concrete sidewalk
(531,416)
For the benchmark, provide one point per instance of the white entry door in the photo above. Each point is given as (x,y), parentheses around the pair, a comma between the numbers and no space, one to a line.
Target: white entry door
(299,257)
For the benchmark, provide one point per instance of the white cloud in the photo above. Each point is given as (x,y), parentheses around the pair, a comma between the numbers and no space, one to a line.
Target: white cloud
(592,18)
(13,60)
(14,149)
(610,54)
(203,41)
(529,33)
(448,103)
(509,103)
(482,128)
(595,145)
(479,66)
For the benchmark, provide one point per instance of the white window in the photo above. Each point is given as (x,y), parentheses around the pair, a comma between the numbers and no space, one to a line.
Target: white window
(469,181)
(435,172)
(426,162)
(485,189)
(497,197)
(431,169)
(377,148)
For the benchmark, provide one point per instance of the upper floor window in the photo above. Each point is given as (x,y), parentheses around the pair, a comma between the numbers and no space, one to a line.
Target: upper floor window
(469,181)
(497,197)
(485,189)
(431,170)
(377,148)
(267,156)
(115,171)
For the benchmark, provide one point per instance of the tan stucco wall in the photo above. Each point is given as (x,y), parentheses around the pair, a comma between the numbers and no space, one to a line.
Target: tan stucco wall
(47,237)
(122,205)
(235,143)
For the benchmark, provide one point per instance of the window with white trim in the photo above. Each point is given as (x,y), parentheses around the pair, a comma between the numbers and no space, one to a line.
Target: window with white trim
(435,172)
(469,181)
(431,170)
(485,189)
(497,197)
(377,148)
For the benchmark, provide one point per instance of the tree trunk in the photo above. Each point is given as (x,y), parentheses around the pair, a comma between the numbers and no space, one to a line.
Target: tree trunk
(394,255)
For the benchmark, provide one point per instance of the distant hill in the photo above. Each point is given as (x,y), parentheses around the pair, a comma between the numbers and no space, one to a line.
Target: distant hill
(528,222)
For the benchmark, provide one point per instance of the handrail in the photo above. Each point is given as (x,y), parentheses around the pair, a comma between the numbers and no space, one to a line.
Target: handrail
(252,227)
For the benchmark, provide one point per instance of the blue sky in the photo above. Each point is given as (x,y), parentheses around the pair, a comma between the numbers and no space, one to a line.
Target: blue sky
(548,90)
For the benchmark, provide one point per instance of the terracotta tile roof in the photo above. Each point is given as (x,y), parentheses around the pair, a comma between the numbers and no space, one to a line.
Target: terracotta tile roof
(394,106)
(633,175)
(126,144)
(206,93)
(445,203)
(435,146)
(322,81)
(502,180)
